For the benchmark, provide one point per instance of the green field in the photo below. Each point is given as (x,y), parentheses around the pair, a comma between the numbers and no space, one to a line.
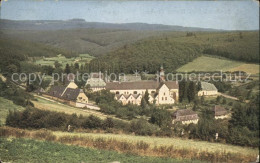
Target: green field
(28,150)
(49,61)
(5,106)
(205,63)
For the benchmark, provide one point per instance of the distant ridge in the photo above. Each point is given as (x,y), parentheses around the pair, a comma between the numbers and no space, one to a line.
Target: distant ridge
(81,24)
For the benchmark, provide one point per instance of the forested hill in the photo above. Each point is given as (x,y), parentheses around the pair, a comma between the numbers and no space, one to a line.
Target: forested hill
(82,24)
(173,52)
(12,52)
(147,55)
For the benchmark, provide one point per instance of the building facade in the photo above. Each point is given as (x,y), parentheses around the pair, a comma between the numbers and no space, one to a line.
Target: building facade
(132,92)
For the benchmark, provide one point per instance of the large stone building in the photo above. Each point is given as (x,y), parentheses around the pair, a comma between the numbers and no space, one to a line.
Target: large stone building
(185,116)
(207,89)
(132,92)
(160,91)
(96,82)
(70,94)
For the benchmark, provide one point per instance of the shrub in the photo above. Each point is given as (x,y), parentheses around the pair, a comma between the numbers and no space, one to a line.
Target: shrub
(45,135)
(92,122)
(142,127)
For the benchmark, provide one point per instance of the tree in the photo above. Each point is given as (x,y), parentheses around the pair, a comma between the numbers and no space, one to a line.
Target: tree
(224,101)
(160,117)
(108,123)
(202,100)
(146,97)
(143,103)
(76,66)
(67,69)
(218,99)
(92,122)
(57,64)
(192,91)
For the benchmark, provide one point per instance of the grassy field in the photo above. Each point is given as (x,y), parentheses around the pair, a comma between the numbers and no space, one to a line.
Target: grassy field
(205,63)
(5,106)
(28,150)
(82,59)
(175,142)
(46,104)
(139,145)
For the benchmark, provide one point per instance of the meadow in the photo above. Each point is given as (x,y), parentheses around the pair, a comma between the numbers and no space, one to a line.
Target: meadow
(164,141)
(138,145)
(49,61)
(206,63)
(28,150)
(5,106)
(51,105)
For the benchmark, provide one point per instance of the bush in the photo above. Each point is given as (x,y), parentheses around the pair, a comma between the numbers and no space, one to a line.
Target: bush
(142,127)
(92,122)
(44,135)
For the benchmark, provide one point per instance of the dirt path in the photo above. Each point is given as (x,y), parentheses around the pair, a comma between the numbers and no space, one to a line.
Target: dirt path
(228,96)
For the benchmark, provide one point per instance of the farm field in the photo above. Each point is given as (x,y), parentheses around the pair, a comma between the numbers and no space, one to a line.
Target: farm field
(5,106)
(49,61)
(175,142)
(28,150)
(217,64)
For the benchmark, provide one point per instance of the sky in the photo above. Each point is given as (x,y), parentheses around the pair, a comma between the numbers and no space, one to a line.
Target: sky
(228,15)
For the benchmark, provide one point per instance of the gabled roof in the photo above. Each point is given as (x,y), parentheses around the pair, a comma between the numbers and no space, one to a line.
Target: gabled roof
(130,78)
(96,75)
(71,94)
(140,85)
(185,115)
(219,110)
(56,91)
(208,86)
(96,82)
(184,112)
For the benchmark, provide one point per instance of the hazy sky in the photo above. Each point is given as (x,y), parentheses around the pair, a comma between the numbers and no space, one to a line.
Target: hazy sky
(230,15)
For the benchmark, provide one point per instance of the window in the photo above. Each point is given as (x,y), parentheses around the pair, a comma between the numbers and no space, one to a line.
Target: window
(117,92)
(80,98)
(135,92)
(153,91)
(164,93)
(162,98)
(165,98)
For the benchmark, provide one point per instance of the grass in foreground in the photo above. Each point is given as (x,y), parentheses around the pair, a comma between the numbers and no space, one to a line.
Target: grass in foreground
(205,63)
(140,148)
(159,141)
(28,150)
(5,106)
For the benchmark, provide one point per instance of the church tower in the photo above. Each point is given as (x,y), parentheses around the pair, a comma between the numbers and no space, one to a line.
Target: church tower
(162,75)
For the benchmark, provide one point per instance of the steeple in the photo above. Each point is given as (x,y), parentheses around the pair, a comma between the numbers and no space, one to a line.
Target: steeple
(161,74)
